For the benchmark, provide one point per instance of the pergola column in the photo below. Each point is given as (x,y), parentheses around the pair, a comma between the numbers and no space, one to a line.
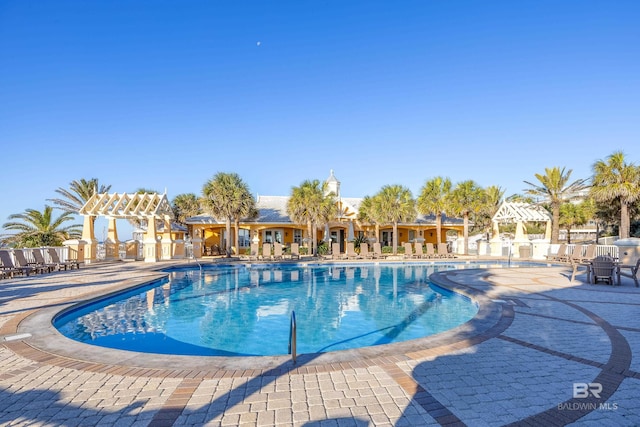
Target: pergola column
(89,239)
(112,244)
(495,243)
(151,241)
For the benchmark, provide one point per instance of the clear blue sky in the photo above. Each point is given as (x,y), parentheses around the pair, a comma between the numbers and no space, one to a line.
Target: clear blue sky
(164,94)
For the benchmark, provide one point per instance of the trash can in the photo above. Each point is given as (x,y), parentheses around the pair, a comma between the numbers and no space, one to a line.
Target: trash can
(525,251)
(628,250)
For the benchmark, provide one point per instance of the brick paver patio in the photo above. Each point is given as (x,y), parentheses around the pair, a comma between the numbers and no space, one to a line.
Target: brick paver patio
(536,335)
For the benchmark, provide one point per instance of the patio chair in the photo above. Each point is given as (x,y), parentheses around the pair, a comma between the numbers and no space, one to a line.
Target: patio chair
(603,268)
(277,251)
(589,253)
(11,267)
(351,251)
(576,254)
(39,257)
(68,264)
(266,251)
(632,273)
(295,251)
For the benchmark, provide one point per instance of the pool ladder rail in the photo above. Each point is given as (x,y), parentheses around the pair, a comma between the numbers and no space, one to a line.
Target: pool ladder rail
(293,337)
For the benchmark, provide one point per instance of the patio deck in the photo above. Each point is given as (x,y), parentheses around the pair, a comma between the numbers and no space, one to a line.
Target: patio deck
(536,336)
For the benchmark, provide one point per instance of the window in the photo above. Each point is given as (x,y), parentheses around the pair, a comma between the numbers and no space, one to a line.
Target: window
(297,236)
(244,239)
(272,236)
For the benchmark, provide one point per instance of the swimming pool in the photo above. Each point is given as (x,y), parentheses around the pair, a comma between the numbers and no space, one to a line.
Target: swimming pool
(241,310)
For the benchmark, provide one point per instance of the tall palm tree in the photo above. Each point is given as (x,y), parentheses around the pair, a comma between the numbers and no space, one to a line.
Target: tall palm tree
(615,179)
(555,189)
(78,193)
(466,199)
(184,206)
(395,204)
(226,196)
(310,204)
(492,198)
(433,200)
(40,229)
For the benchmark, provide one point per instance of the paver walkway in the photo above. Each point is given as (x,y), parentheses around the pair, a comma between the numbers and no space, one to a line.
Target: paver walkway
(541,351)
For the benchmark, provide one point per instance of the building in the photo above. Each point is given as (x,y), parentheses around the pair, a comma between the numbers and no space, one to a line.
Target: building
(273,224)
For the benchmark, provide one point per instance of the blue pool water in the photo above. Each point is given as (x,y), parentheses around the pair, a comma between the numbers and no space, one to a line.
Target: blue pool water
(246,310)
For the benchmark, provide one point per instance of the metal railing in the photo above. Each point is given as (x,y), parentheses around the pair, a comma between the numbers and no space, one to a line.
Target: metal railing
(293,337)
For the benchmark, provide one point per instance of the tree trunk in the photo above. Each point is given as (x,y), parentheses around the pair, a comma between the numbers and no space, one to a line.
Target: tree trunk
(236,235)
(624,220)
(555,223)
(314,242)
(228,228)
(466,232)
(395,238)
(438,228)
(309,236)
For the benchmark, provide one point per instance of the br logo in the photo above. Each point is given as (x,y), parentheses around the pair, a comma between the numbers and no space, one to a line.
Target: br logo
(582,390)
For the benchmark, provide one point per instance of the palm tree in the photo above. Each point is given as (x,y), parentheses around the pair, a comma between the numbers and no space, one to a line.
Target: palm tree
(40,229)
(492,198)
(311,205)
(466,199)
(617,180)
(368,215)
(555,189)
(184,206)
(78,194)
(572,214)
(433,200)
(226,196)
(395,204)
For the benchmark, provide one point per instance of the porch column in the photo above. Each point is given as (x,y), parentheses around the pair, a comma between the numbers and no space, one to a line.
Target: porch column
(196,240)
(112,244)
(151,241)
(89,239)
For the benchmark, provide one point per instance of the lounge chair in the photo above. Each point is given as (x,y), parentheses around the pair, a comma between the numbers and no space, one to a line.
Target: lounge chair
(22,262)
(430,250)
(408,250)
(10,266)
(576,254)
(633,271)
(39,257)
(68,264)
(377,251)
(277,251)
(266,251)
(364,251)
(603,268)
(443,251)
(294,251)
(351,251)
(418,249)
(561,255)
(589,253)
(335,251)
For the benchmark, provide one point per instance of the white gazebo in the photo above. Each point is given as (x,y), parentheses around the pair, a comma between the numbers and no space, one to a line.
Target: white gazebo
(150,207)
(518,213)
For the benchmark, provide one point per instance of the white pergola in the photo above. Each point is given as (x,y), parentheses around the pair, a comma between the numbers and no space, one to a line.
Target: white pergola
(149,207)
(520,213)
